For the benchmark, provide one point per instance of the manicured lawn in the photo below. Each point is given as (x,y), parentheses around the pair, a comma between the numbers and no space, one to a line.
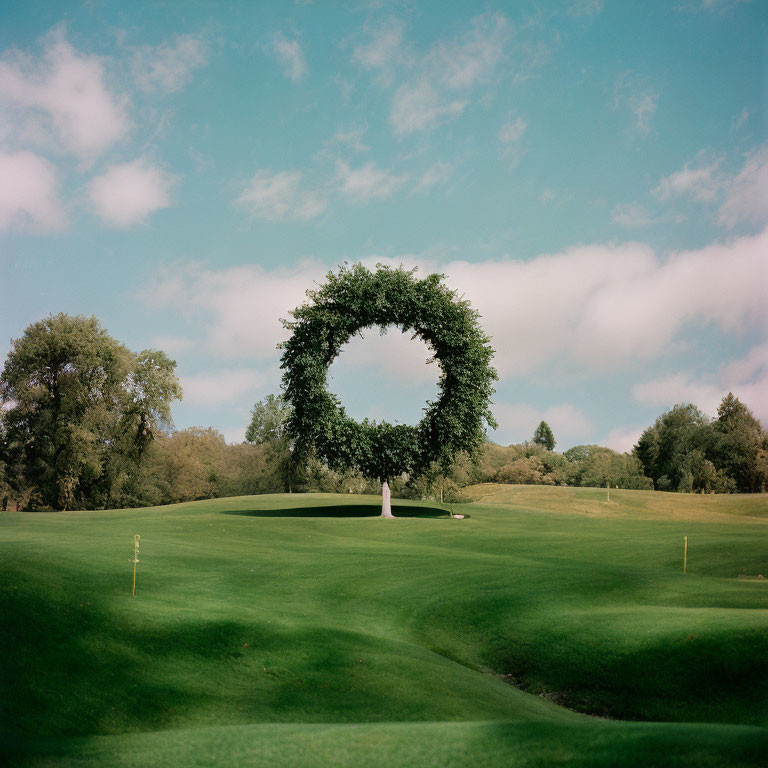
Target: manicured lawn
(303,630)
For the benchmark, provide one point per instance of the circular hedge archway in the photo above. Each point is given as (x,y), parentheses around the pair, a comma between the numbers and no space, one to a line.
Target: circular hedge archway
(355,298)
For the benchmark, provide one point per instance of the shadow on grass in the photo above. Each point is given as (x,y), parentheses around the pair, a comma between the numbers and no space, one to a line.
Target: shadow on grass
(350,510)
(75,668)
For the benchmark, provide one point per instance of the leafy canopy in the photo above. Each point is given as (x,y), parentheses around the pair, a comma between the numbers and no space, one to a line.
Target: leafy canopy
(543,436)
(80,411)
(355,298)
(686,451)
(269,419)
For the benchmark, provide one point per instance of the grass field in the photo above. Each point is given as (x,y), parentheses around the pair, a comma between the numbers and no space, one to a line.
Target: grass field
(549,628)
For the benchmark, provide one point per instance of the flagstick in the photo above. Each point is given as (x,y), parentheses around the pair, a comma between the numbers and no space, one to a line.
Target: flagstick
(136,538)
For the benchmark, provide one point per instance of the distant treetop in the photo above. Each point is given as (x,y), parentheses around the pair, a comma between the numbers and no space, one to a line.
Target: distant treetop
(543,436)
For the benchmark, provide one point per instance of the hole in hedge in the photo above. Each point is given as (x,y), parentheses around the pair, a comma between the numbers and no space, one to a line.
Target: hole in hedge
(385,378)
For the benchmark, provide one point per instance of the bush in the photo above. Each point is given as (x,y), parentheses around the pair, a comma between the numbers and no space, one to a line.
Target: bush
(525,471)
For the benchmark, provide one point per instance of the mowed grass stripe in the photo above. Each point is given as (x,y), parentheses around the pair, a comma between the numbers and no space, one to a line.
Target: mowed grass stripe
(247,615)
(531,744)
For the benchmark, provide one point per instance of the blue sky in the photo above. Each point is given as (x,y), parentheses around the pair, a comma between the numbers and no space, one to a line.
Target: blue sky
(592,175)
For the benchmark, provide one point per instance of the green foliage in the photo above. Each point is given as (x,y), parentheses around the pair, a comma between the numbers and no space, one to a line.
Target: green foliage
(268,427)
(525,471)
(579,453)
(81,410)
(582,465)
(269,420)
(685,451)
(152,387)
(606,467)
(355,298)
(197,463)
(663,448)
(736,444)
(543,436)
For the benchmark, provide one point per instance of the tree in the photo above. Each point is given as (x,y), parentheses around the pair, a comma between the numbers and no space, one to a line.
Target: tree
(664,447)
(269,427)
(525,471)
(737,441)
(5,489)
(601,468)
(685,451)
(269,421)
(595,465)
(356,298)
(152,387)
(80,410)
(543,436)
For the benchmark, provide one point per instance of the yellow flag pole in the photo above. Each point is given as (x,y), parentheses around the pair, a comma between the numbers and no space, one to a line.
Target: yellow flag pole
(685,555)
(135,560)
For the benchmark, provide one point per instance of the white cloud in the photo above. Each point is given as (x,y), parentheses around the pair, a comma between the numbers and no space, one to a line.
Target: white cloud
(419,106)
(439,83)
(438,173)
(168,67)
(234,435)
(599,307)
(62,94)
(394,357)
(678,388)
(383,51)
(518,422)
(591,308)
(700,184)
(643,107)
(631,216)
(623,439)
(512,131)
(746,194)
(224,386)
(741,120)
(126,194)
(240,307)
(753,365)
(465,61)
(290,57)
(509,136)
(281,196)
(173,345)
(632,94)
(29,194)
(366,182)
(747,378)
(352,139)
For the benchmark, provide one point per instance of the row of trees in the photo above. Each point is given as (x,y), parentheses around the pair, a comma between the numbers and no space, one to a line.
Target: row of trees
(86,423)
(198,463)
(686,451)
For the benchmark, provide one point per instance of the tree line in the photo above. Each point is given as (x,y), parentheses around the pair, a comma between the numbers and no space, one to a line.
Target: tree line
(86,423)
(687,451)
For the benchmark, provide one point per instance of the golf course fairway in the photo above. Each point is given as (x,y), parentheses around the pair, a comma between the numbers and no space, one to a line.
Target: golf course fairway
(549,627)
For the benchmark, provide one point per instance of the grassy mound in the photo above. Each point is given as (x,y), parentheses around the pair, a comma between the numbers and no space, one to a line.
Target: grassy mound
(593,501)
(302,630)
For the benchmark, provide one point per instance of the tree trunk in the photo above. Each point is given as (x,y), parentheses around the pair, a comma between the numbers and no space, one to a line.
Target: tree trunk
(386,504)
